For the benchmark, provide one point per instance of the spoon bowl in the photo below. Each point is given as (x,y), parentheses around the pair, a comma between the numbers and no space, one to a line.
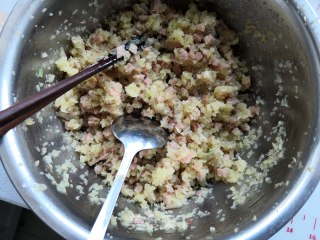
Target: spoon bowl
(136,134)
(140,133)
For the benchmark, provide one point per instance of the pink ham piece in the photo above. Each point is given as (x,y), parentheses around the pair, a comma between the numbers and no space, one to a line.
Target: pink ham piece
(222,172)
(129,68)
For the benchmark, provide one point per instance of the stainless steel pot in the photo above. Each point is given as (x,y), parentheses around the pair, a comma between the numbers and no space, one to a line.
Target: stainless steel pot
(280,35)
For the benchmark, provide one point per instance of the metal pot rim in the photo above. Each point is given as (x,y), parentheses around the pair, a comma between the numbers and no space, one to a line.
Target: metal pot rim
(265,225)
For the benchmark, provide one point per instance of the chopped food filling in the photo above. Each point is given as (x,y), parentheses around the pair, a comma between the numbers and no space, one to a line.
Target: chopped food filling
(187,78)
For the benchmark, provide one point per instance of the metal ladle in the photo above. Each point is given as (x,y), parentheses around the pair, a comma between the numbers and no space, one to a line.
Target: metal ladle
(136,134)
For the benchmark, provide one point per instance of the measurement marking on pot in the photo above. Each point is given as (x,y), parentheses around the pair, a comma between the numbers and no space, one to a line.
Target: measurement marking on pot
(291,220)
(315,224)
(304,217)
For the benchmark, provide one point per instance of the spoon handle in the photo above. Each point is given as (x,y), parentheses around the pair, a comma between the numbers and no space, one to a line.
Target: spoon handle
(101,224)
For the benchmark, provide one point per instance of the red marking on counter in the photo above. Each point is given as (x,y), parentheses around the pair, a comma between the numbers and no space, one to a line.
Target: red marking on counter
(315,224)
(289,230)
(312,237)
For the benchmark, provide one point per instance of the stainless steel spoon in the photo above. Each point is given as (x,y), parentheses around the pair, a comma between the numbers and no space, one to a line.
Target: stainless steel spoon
(136,134)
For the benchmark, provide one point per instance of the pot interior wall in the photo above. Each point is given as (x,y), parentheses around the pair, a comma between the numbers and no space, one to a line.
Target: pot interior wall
(271,36)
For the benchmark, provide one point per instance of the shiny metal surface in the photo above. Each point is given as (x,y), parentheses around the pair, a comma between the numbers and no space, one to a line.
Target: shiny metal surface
(139,133)
(31,29)
(136,134)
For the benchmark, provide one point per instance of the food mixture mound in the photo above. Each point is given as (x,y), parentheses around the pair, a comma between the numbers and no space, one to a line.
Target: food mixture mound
(187,78)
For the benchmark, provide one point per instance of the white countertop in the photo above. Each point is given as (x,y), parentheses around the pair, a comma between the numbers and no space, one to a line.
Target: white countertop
(7,191)
(305,225)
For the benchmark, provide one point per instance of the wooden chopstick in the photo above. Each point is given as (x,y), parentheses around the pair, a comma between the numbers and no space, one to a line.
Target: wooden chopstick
(20,111)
